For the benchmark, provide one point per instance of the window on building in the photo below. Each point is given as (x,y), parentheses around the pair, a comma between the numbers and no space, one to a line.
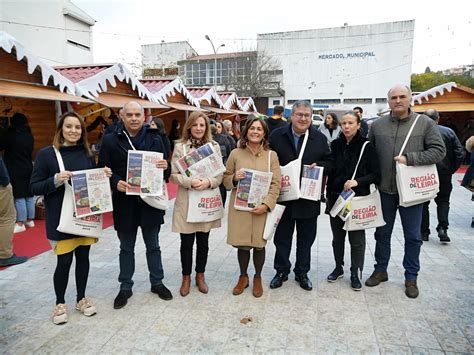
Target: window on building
(380,100)
(275,102)
(358,101)
(326,101)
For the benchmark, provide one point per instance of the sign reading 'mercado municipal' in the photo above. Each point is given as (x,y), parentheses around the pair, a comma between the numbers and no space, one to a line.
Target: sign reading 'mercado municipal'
(347,55)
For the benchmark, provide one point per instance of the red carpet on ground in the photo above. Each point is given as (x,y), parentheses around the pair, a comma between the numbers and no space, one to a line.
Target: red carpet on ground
(34,242)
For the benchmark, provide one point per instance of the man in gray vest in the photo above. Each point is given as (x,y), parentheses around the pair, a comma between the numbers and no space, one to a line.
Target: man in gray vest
(424,147)
(446,168)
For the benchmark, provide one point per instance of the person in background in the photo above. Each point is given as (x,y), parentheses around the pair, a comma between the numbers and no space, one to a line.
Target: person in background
(364,126)
(70,139)
(230,131)
(345,152)
(130,211)
(196,133)
(468,179)
(174,133)
(224,144)
(7,221)
(222,130)
(18,146)
(158,124)
(245,228)
(446,168)
(276,120)
(425,147)
(331,131)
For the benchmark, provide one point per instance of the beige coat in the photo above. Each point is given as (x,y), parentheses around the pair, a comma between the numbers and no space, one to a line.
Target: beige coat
(245,228)
(181,203)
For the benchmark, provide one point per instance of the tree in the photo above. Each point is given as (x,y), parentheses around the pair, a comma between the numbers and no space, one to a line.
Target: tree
(424,81)
(427,70)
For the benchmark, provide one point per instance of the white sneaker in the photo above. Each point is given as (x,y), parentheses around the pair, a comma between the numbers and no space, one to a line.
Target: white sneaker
(86,307)
(30,224)
(60,314)
(19,229)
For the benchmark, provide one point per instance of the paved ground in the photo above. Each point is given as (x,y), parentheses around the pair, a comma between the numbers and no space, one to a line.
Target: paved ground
(332,318)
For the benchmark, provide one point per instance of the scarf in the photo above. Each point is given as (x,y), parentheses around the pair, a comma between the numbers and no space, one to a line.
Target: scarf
(196,143)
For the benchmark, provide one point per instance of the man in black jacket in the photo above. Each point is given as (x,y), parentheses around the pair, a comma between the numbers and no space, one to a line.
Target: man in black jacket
(446,168)
(130,211)
(287,142)
(276,120)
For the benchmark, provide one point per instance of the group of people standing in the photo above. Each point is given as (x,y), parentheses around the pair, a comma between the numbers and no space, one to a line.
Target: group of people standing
(256,149)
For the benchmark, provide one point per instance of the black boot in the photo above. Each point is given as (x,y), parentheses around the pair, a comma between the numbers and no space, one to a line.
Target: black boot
(337,273)
(355,282)
(443,235)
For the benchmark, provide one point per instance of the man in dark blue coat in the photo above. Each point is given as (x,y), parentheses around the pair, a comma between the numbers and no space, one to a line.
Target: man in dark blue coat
(130,211)
(446,168)
(287,141)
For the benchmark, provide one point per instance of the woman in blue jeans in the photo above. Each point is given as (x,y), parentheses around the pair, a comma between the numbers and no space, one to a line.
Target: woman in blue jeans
(18,146)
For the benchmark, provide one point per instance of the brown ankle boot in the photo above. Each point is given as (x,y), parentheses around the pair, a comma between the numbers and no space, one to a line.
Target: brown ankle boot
(201,283)
(242,284)
(257,286)
(185,285)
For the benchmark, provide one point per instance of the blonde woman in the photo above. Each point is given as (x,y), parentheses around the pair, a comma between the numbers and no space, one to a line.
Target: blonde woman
(196,133)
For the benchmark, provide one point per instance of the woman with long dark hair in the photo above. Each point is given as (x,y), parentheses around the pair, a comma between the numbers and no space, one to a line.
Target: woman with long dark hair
(245,228)
(70,139)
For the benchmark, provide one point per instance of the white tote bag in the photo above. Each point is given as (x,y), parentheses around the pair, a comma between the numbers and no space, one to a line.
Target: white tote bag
(271,223)
(366,212)
(204,205)
(90,226)
(416,184)
(159,202)
(290,176)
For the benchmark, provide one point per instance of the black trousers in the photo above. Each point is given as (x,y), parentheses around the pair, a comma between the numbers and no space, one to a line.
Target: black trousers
(357,241)
(442,205)
(223,192)
(186,250)
(305,236)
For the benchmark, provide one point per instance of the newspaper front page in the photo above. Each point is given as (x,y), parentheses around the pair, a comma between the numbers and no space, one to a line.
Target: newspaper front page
(252,189)
(92,193)
(311,182)
(203,162)
(143,177)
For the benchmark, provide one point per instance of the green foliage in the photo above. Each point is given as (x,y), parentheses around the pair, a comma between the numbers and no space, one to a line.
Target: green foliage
(425,81)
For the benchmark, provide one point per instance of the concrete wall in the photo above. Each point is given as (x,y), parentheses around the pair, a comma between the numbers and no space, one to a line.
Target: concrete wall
(349,62)
(165,55)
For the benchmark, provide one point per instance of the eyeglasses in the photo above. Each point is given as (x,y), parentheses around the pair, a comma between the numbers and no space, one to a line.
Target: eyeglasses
(302,115)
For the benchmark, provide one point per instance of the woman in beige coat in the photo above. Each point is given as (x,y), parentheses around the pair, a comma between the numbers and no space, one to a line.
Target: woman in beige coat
(196,132)
(245,228)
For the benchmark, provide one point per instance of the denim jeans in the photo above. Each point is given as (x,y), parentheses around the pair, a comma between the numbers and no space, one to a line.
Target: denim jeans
(25,208)
(127,257)
(411,223)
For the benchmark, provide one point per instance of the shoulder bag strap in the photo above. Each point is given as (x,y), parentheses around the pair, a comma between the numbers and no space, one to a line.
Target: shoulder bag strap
(408,135)
(360,157)
(305,139)
(129,140)
(269,160)
(59,158)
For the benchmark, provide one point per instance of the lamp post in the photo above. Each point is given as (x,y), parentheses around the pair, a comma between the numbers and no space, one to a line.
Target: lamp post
(215,59)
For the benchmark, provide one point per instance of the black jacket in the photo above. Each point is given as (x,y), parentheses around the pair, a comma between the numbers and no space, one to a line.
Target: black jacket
(18,146)
(344,157)
(130,211)
(317,151)
(275,123)
(42,182)
(454,152)
(224,144)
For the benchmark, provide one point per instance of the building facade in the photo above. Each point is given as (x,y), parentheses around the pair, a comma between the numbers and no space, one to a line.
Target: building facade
(58,32)
(161,59)
(350,65)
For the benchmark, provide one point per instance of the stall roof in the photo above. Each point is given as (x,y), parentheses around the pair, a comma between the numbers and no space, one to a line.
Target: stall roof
(34,91)
(449,97)
(207,95)
(117,101)
(12,46)
(91,80)
(230,98)
(162,89)
(247,104)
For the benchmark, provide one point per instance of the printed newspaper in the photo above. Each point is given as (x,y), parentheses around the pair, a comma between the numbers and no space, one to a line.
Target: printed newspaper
(92,193)
(341,204)
(144,178)
(203,162)
(252,189)
(311,182)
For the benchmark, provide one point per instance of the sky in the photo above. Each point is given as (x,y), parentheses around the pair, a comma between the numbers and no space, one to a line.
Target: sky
(444,31)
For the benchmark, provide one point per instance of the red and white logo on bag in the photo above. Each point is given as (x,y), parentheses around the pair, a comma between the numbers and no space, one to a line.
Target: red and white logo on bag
(285,181)
(210,202)
(423,182)
(364,213)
